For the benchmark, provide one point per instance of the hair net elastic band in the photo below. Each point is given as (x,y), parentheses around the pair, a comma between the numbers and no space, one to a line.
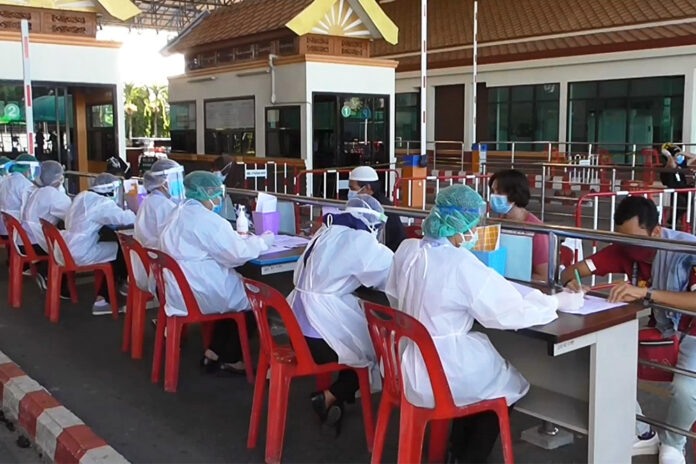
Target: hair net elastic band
(171,170)
(448,209)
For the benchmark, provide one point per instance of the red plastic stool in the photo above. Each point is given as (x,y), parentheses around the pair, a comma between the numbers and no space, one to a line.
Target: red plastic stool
(19,260)
(159,262)
(287,362)
(101,271)
(387,328)
(134,325)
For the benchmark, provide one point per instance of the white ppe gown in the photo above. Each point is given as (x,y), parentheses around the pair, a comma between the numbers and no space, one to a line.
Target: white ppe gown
(88,213)
(14,192)
(207,249)
(446,289)
(149,222)
(46,203)
(341,260)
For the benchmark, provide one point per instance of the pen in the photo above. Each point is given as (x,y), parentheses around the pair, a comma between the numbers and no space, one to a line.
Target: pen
(577,277)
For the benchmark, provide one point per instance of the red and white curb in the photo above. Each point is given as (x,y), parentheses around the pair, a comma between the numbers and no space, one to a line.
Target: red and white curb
(59,434)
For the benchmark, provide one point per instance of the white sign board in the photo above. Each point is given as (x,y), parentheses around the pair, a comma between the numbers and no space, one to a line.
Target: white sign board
(229,114)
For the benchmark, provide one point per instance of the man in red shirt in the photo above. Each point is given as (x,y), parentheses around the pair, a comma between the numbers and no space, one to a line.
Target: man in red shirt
(664,278)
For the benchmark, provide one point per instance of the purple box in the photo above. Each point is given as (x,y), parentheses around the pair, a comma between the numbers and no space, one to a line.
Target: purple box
(266,222)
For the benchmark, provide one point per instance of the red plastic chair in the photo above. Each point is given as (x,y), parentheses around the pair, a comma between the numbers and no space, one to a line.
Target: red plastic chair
(101,271)
(287,362)
(19,260)
(159,262)
(134,325)
(387,328)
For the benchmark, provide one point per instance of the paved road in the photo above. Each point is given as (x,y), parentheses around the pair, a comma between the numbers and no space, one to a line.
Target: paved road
(80,362)
(10,453)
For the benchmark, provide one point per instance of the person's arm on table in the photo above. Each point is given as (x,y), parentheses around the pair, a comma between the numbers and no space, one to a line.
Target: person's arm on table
(626,293)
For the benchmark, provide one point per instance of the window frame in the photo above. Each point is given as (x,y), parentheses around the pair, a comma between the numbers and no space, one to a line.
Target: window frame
(194,130)
(238,130)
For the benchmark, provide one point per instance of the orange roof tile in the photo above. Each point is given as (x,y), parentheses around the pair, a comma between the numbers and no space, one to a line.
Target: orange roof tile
(450,22)
(241,19)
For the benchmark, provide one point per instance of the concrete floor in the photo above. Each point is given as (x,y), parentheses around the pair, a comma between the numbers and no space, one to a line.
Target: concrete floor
(80,362)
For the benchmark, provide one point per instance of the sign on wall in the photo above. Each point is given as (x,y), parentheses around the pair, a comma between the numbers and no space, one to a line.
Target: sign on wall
(230,114)
(45,21)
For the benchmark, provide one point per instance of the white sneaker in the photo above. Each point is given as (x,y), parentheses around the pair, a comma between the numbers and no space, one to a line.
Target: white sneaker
(101,308)
(646,444)
(671,455)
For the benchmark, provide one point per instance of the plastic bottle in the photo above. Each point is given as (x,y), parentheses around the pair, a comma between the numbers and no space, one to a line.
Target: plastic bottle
(242,222)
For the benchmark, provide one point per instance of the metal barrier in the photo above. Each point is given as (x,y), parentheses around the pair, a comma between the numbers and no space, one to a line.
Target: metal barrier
(478,182)
(556,233)
(269,170)
(332,178)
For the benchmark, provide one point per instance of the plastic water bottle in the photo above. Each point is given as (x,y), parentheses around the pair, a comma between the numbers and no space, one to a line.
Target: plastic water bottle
(242,222)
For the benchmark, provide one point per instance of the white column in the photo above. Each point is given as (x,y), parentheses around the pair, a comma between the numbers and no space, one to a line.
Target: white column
(423,77)
(563,113)
(120,120)
(689,127)
(28,98)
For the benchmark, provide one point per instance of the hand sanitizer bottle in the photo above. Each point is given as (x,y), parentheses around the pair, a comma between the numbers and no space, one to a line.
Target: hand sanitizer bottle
(242,222)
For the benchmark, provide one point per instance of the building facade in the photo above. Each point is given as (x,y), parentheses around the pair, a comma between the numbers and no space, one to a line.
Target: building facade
(76,88)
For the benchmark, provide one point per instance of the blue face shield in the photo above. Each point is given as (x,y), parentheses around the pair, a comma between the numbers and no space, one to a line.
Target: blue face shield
(176,188)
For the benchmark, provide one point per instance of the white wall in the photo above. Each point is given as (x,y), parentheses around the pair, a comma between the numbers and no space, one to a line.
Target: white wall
(348,78)
(61,63)
(647,63)
(295,84)
(70,64)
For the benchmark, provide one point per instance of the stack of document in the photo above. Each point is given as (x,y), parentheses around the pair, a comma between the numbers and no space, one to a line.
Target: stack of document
(286,242)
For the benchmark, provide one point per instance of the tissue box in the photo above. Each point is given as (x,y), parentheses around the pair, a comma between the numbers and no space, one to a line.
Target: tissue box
(494,259)
(266,222)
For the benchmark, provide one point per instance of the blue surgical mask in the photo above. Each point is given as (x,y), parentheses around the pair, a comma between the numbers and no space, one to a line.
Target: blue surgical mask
(500,204)
(217,209)
(470,243)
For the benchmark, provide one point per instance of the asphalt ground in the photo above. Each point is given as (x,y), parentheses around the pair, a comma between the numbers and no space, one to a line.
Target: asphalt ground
(79,361)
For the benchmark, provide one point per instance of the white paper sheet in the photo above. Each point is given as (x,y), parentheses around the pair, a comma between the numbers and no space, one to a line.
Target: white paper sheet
(593,304)
(266,203)
(284,243)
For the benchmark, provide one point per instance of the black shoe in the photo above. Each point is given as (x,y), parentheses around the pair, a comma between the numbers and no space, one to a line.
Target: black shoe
(231,369)
(209,365)
(318,400)
(65,295)
(40,282)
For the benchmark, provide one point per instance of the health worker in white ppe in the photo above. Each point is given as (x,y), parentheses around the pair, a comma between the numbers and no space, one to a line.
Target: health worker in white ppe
(49,202)
(208,249)
(91,211)
(15,190)
(441,283)
(164,183)
(342,256)
(5,163)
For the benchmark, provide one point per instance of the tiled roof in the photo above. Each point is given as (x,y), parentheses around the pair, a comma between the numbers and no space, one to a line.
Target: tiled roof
(242,19)
(450,22)
(635,39)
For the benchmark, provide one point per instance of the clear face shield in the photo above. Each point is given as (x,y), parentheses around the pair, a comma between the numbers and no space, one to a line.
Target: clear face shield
(30,169)
(113,191)
(374,220)
(175,181)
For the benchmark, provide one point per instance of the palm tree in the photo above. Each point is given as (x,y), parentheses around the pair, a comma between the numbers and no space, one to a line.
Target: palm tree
(132,94)
(158,103)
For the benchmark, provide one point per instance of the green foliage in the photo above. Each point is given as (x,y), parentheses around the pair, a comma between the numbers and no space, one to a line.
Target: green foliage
(147,110)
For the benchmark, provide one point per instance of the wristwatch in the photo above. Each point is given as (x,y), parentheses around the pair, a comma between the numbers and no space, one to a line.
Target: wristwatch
(648,300)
